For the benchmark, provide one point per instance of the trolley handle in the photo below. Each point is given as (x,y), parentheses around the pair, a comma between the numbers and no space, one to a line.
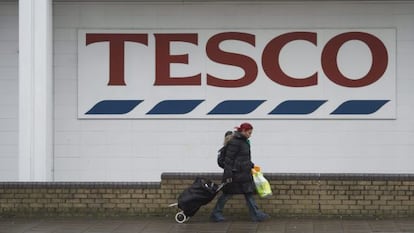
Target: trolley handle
(222,186)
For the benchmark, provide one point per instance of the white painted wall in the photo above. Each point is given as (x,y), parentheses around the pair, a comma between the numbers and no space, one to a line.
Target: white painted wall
(140,150)
(9,44)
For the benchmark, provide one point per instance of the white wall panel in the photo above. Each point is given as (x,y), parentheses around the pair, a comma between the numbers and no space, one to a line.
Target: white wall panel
(8,91)
(140,150)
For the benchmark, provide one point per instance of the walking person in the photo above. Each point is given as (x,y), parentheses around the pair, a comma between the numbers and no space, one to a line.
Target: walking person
(237,173)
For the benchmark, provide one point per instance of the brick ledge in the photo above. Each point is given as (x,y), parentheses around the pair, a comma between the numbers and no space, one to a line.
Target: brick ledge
(216,176)
(300,176)
(52,184)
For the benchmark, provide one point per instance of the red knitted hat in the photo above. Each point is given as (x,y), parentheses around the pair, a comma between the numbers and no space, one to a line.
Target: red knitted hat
(244,126)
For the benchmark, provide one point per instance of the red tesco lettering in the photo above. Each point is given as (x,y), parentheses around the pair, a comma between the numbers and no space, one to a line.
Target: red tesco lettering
(269,58)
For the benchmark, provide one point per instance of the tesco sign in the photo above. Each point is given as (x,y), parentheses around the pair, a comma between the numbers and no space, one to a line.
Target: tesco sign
(260,73)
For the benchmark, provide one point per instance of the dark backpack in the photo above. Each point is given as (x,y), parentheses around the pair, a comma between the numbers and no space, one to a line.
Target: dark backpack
(221,157)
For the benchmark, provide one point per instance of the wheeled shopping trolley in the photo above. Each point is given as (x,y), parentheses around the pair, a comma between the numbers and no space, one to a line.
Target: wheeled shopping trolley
(200,193)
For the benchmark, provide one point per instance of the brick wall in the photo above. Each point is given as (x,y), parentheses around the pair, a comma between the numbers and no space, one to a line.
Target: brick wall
(293,195)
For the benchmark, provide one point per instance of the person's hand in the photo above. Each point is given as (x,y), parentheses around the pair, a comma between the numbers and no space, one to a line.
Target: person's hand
(256,168)
(229,180)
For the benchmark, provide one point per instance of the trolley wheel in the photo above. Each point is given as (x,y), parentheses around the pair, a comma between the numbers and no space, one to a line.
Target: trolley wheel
(180,217)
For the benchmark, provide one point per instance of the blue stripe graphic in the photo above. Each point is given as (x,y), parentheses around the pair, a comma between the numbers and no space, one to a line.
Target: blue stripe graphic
(298,107)
(174,107)
(362,107)
(113,107)
(236,107)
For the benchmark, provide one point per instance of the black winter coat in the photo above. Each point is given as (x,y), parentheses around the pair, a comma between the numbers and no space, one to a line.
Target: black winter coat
(238,166)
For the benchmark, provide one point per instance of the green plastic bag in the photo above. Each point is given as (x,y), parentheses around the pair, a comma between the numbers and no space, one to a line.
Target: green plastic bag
(262,184)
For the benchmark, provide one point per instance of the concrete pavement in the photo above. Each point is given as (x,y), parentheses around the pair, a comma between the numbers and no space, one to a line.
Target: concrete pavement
(202,225)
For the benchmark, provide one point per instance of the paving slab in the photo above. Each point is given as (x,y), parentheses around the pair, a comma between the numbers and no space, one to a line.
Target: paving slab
(203,225)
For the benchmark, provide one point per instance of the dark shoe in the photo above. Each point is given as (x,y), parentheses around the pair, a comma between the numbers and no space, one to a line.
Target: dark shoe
(215,217)
(261,217)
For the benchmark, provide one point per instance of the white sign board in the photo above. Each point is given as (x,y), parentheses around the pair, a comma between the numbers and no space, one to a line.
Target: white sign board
(251,73)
